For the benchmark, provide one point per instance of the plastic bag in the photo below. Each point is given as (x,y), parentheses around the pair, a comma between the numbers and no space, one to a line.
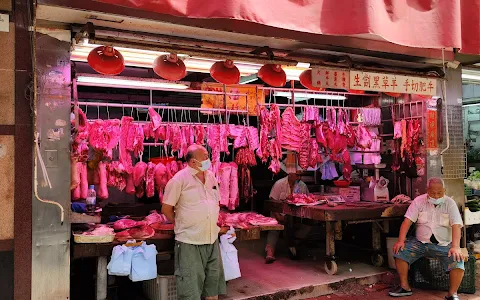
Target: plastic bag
(229,255)
(121,261)
(144,263)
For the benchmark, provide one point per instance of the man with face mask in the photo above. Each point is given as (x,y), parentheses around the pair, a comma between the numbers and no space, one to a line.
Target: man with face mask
(283,188)
(438,223)
(191,200)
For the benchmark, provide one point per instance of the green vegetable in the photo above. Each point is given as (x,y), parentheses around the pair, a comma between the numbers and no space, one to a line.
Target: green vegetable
(475,176)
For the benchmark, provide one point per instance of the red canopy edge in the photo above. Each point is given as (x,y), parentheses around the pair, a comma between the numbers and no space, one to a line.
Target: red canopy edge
(414,23)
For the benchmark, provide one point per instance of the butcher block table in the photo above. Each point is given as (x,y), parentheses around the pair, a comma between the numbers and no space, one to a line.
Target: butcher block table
(379,214)
(164,240)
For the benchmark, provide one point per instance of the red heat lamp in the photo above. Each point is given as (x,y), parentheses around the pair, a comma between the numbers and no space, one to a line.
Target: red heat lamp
(425,96)
(306,81)
(106,60)
(394,95)
(169,67)
(272,75)
(225,72)
(358,92)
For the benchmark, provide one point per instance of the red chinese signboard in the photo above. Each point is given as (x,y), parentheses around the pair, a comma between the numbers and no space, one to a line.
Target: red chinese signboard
(331,78)
(378,82)
(432,141)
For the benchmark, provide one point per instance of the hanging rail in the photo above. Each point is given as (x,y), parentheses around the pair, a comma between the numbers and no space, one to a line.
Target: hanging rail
(306,105)
(292,90)
(147,88)
(166,107)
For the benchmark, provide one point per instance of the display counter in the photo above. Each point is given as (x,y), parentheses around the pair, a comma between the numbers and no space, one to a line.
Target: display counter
(379,214)
(164,241)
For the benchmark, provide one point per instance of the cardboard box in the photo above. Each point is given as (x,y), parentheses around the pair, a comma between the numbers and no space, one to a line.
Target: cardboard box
(350,194)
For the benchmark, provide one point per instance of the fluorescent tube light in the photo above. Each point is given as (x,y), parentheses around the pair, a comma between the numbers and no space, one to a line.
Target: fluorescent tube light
(303,65)
(470,105)
(248,79)
(299,96)
(128,83)
(144,59)
(471,77)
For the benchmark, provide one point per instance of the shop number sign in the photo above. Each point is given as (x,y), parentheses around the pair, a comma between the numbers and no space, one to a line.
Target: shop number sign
(331,78)
(378,82)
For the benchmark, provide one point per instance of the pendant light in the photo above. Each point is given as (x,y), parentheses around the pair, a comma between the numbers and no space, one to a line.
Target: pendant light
(225,72)
(359,92)
(425,96)
(169,67)
(106,60)
(272,75)
(394,95)
(306,80)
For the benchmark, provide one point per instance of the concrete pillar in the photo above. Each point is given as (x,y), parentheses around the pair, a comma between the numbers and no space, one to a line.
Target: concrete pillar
(454,160)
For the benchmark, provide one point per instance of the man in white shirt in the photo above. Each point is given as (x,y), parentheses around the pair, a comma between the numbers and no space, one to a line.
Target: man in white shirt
(191,200)
(438,223)
(283,188)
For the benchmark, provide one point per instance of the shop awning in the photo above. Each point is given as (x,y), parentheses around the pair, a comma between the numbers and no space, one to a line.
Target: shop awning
(413,23)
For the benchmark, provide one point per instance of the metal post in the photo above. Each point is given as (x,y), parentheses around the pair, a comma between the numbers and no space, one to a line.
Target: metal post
(330,233)
(102,278)
(338,231)
(376,237)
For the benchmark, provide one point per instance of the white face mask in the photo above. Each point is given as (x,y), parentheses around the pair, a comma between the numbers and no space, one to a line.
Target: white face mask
(436,201)
(206,164)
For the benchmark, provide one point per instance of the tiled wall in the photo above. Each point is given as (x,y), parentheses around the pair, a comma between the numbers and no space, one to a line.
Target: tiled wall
(7,117)
(7,150)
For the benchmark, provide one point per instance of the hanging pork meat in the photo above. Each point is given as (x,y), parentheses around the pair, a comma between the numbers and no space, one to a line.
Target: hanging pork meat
(364,139)
(265,127)
(150,180)
(116,174)
(320,130)
(160,176)
(155,118)
(139,172)
(131,142)
(245,159)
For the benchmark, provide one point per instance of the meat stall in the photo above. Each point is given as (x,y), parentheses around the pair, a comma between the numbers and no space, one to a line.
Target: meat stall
(365,153)
(346,142)
(130,151)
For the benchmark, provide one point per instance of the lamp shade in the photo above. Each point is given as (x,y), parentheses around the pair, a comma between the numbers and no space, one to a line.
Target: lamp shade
(394,95)
(425,96)
(225,72)
(272,75)
(306,80)
(106,60)
(359,92)
(169,67)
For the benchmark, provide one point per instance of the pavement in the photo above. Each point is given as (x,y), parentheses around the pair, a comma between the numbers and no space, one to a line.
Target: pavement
(380,292)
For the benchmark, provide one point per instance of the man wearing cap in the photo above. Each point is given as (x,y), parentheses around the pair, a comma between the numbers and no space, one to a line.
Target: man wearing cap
(191,200)
(283,188)
(438,223)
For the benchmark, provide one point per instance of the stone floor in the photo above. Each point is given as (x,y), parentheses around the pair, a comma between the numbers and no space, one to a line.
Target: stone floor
(380,292)
(306,279)
(287,279)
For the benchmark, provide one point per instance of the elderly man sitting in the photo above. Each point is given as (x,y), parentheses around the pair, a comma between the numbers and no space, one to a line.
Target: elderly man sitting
(437,235)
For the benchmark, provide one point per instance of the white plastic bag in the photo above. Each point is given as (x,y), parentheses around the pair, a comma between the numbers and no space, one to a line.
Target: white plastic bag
(144,263)
(121,261)
(229,255)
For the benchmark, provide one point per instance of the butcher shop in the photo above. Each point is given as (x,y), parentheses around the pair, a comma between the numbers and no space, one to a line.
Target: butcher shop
(253,166)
